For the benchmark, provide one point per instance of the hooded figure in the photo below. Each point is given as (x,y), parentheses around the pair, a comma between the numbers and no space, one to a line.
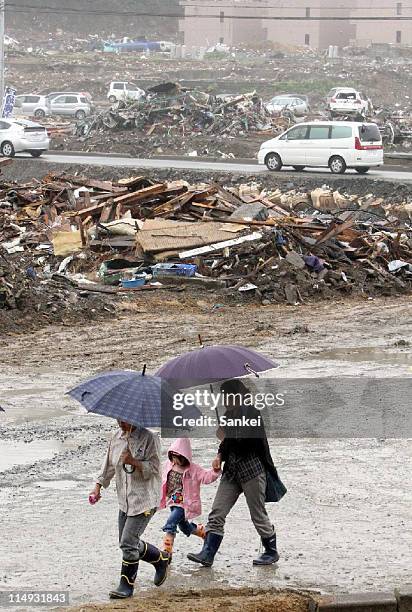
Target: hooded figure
(181,484)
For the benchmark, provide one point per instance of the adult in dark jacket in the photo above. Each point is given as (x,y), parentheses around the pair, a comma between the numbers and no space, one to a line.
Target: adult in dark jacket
(244,451)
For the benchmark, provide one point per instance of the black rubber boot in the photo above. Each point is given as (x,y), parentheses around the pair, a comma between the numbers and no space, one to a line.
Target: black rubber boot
(270,554)
(209,550)
(127,579)
(159,559)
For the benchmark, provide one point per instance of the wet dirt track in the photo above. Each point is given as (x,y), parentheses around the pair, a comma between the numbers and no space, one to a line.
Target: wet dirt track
(345,524)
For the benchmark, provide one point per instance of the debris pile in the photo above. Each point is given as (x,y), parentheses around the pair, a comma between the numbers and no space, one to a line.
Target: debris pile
(68,238)
(395,127)
(51,296)
(169,112)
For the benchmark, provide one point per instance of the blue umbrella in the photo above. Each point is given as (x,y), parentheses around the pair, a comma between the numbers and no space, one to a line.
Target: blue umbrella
(136,398)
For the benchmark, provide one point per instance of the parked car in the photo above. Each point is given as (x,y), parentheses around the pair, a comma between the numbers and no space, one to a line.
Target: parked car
(85,94)
(333,92)
(72,105)
(332,144)
(280,103)
(349,102)
(18,136)
(303,97)
(123,90)
(31,104)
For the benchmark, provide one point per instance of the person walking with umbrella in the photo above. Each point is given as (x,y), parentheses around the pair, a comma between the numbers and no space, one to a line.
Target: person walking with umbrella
(248,467)
(137,401)
(133,458)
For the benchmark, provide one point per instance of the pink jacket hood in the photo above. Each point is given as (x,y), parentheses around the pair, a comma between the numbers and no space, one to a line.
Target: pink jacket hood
(194,476)
(182,446)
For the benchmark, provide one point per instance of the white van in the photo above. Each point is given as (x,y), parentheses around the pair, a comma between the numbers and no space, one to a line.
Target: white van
(122,90)
(335,144)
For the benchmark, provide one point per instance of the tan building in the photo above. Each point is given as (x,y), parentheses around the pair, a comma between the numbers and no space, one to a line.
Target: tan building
(210,24)
(295,23)
(305,23)
(392,30)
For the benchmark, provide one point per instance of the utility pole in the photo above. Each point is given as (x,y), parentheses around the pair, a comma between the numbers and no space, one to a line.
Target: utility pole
(2,12)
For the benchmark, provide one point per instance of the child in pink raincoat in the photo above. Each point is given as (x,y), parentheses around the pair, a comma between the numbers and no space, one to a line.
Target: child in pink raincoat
(181,491)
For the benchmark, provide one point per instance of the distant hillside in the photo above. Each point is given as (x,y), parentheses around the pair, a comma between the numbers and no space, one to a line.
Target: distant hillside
(42,20)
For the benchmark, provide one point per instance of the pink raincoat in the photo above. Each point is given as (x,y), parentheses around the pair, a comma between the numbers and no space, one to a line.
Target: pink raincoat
(193,476)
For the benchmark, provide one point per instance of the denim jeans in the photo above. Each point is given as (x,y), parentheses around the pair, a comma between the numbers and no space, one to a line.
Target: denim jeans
(177,519)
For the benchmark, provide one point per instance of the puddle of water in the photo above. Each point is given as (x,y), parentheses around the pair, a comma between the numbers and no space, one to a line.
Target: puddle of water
(29,391)
(21,453)
(61,485)
(364,354)
(37,412)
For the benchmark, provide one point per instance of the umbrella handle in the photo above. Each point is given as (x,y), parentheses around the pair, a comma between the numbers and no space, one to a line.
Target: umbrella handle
(129,469)
(200,341)
(216,410)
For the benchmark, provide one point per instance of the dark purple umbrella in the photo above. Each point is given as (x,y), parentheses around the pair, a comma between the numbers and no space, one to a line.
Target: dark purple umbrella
(214,363)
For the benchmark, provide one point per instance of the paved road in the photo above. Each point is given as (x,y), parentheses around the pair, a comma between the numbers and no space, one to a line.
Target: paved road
(189,164)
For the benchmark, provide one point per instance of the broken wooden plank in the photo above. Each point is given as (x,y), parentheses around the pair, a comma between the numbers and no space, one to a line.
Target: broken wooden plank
(84,181)
(95,288)
(335,229)
(86,199)
(134,197)
(173,205)
(83,234)
(107,212)
(229,198)
(221,245)
(131,181)
(87,211)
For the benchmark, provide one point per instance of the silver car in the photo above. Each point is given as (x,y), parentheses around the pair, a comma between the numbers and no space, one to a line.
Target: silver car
(281,103)
(54,94)
(18,136)
(71,105)
(32,104)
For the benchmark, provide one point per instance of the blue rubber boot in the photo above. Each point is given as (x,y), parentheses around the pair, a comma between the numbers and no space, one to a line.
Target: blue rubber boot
(270,555)
(209,550)
(159,559)
(127,579)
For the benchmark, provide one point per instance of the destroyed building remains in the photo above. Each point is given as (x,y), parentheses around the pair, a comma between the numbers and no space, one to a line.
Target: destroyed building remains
(67,238)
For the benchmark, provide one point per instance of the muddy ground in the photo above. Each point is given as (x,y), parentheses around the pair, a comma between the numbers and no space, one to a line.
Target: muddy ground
(211,600)
(344,525)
